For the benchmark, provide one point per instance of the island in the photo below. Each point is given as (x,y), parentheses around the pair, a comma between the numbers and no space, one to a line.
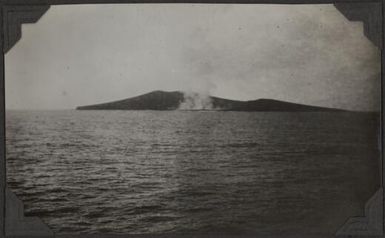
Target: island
(177,100)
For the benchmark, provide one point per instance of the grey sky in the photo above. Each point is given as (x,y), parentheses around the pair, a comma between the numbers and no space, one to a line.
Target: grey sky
(86,54)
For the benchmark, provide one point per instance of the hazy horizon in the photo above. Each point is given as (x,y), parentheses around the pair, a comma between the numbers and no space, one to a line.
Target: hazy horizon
(89,54)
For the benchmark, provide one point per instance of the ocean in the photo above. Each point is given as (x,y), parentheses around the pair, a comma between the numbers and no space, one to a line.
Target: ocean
(143,172)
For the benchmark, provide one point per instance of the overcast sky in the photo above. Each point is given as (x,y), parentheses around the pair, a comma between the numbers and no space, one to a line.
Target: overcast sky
(86,54)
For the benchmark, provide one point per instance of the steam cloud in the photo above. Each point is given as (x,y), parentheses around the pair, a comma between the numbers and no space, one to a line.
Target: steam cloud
(196,101)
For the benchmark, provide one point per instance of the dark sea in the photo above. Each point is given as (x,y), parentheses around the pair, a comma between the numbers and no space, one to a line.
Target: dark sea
(193,171)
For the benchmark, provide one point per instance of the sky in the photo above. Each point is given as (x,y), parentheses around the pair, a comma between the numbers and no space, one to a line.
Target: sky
(87,54)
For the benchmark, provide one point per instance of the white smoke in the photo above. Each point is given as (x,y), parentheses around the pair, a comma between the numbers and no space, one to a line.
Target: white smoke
(196,101)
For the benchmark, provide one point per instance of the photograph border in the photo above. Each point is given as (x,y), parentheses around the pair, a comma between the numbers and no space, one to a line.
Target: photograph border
(14,13)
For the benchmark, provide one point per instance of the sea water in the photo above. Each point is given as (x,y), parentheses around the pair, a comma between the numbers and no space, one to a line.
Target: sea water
(192,171)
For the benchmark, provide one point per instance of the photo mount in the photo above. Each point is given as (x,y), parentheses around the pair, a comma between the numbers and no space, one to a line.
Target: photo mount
(14,13)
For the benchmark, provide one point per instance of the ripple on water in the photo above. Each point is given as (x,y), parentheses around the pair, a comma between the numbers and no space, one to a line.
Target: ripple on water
(230,172)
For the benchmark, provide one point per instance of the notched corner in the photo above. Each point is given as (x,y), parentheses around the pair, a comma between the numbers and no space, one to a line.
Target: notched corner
(17,225)
(369,225)
(369,14)
(14,17)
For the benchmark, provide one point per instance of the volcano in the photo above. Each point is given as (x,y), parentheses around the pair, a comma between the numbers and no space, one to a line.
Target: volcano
(177,100)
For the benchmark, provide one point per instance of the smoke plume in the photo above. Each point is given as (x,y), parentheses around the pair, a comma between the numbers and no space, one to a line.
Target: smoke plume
(196,101)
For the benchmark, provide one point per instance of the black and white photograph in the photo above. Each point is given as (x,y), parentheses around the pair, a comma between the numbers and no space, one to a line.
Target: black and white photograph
(239,119)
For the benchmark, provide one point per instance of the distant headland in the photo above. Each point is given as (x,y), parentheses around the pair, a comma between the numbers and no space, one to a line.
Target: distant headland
(177,100)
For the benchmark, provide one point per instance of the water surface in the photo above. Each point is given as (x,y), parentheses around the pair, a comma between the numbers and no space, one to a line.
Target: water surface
(199,172)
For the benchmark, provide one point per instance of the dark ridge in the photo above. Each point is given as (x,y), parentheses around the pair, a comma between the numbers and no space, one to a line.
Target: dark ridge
(161,100)
(156,100)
